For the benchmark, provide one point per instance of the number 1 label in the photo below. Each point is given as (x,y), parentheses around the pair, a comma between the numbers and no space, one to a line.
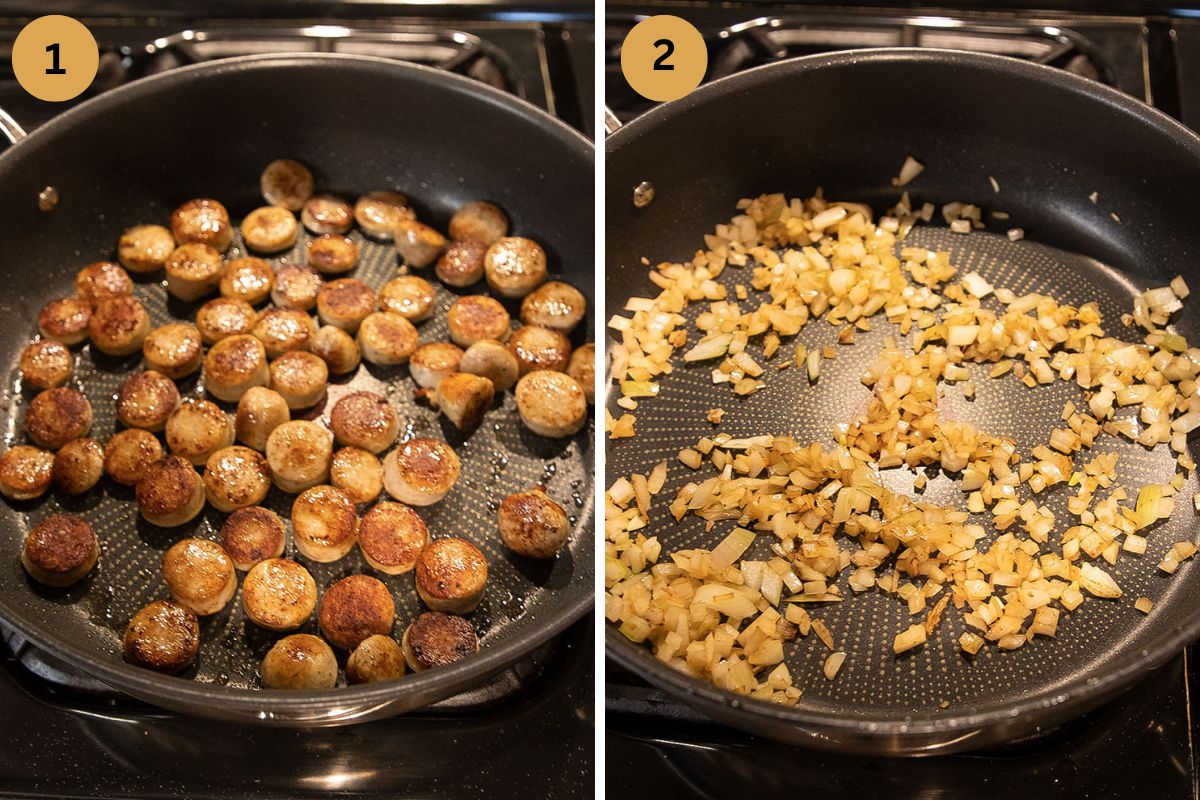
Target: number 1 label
(54,68)
(55,58)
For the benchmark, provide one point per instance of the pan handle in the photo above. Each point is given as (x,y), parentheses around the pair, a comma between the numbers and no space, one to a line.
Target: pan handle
(611,123)
(10,128)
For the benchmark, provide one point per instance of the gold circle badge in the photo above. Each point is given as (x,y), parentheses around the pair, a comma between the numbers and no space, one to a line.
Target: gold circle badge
(55,58)
(664,57)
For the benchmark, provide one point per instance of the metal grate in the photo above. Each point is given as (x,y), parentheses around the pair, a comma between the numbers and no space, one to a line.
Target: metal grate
(451,50)
(764,40)
(767,39)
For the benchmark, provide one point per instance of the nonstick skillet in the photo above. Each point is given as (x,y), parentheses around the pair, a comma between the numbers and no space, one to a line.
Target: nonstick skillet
(135,153)
(845,122)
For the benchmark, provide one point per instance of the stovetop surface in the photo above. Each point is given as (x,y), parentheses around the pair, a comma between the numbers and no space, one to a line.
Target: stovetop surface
(535,742)
(1140,745)
(532,54)
(749,34)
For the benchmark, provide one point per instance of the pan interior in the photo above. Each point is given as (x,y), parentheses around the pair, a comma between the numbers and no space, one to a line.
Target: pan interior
(499,457)
(937,678)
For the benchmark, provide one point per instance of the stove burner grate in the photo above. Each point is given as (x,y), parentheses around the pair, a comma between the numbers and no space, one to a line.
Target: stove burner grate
(451,50)
(767,39)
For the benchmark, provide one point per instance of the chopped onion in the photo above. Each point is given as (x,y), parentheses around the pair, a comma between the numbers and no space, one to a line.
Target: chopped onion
(1098,582)
(822,597)
(639,389)
(731,547)
(658,476)
(822,632)
(841,281)
(1173,343)
(1187,422)
(725,600)
(619,323)
(961,335)
(746,443)
(970,643)
(1162,301)
(771,586)
(833,664)
(976,285)
(711,347)
(907,640)
(830,216)
(910,169)
(752,573)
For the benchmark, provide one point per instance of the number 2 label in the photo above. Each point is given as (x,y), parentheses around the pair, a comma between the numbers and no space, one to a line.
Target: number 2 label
(668,46)
(663,57)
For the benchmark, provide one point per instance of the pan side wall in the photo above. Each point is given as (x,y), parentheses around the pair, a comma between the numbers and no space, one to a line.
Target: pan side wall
(134,155)
(846,123)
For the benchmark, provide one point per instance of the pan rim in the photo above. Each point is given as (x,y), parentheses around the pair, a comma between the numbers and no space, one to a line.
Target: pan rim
(346,703)
(152,83)
(766,72)
(1075,696)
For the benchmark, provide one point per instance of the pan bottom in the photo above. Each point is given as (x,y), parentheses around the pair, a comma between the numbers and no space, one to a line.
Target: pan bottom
(935,685)
(499,457)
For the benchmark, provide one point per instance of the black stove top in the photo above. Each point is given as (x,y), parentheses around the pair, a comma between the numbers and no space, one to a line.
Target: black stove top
(1116,50)
(529,732)
(1141,744)
(530,55)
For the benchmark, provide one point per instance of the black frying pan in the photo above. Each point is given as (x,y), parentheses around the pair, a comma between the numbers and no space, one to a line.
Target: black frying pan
(131,156)
(846,122)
